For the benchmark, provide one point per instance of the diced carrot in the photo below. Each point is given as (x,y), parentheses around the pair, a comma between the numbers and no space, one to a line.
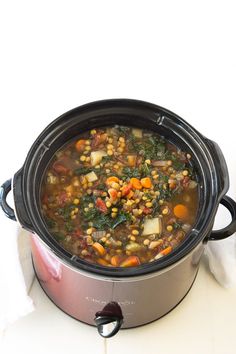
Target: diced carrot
(136,183)
(80,145)
(146,182)
(130,261)
(112,193)
(166,251)
(126,189)
(130,195)
(181,211)
(111,179)
(102,261)
(115,260)
(99,248)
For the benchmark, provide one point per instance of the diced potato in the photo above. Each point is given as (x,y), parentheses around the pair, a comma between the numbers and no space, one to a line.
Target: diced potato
(137,132)
(96,157)
(152,226)
(91,177)
(132,160)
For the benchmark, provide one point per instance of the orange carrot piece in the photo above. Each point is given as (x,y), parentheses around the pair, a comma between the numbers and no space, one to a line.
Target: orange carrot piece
(126,189)
(112,193)
(102,261)
(80,145)
(181,211)
(166,251)
(130,261)
(136,183)
(146,182)
(115,260)
(111,179)
(99,248)
(130,195)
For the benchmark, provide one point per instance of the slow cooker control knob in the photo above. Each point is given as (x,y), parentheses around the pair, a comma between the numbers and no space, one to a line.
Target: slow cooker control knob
(109,320)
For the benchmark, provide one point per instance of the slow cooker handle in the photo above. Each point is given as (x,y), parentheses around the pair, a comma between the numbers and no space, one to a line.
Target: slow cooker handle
(4,190)
(222,170)
(231,228)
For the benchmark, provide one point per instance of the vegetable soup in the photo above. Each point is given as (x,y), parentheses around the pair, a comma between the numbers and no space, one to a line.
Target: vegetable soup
(119,196)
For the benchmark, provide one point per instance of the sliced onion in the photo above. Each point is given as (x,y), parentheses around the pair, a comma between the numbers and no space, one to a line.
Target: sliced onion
(160,163)
(97,235)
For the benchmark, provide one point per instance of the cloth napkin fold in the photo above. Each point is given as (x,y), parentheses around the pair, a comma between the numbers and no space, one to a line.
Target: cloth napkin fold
(222,260)
(17,274)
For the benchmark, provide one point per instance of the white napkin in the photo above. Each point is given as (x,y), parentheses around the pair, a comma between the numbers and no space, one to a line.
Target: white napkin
(16,272)
(222,260)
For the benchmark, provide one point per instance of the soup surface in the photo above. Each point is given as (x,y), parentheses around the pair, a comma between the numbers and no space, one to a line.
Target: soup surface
(119,196)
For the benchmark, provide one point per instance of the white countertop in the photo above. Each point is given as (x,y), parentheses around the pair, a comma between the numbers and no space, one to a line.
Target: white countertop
(56,55)
(203,323)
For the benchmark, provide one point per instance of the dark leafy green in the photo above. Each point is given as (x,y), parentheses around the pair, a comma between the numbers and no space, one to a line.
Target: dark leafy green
(106,159)
(65,211)
(122,217)
(130,172)
(69,226)
(102,221)
(82,170)
(144,170)
(151,148)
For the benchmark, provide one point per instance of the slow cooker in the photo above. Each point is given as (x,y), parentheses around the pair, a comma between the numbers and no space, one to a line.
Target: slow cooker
(108,297)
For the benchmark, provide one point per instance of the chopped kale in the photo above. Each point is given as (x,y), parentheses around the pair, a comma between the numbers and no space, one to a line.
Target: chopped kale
(152,148)
(155,208)
(82,170)
(122,217)
(165,194)
(102,221)
(65,211)
(86,199)
(106,159)
(123,130)
(90,214)
(130,172)
(69,226)
(144,170)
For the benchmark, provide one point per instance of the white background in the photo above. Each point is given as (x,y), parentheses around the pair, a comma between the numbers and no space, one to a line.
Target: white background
(56,55)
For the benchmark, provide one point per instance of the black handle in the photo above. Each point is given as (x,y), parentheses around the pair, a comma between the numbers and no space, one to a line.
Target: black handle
(222,170)
(231,228)
(109,320)
(4,190)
